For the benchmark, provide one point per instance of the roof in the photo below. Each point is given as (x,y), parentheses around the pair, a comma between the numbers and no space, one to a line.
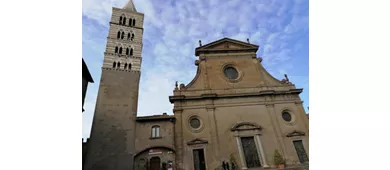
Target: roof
(130,6)
(86,73)
(156,118)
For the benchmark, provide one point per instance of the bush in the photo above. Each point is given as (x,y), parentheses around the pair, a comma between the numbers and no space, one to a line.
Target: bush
(278,159)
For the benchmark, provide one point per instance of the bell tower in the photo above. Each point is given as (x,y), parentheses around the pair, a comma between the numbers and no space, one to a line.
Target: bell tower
(111,144)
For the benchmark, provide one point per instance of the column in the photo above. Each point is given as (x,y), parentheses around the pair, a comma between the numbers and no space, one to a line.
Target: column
(241,152)
(261,151)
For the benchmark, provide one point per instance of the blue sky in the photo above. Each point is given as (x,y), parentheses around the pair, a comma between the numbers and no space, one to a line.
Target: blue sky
(172,30)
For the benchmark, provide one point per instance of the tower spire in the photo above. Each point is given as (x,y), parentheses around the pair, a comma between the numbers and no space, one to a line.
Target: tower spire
(130,6)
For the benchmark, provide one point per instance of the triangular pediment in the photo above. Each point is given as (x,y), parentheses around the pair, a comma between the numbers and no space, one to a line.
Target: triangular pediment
(295,133)
(226,44)
(197,141)
(245,126)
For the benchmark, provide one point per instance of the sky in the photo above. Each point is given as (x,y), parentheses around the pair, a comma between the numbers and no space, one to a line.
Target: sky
(172,29)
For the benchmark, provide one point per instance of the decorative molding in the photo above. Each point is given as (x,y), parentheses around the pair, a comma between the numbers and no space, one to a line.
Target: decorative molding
(210,107)
(298,102)
(250,126)
(295,133)
(121,55)
(177,110)
(115,69)
(197,141)
(195,130)
(244,47)
(114,23)
(234,65)
(198,71)
(261,93)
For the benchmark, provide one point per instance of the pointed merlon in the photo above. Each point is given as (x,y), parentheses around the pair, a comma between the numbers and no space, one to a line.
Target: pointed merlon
(130,6)
(200,43)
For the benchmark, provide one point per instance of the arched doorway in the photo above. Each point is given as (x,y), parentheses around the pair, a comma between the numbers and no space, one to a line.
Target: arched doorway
(155,163)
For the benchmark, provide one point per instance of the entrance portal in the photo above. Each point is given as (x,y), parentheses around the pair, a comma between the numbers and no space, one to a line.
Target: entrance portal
(155,163)
(199,162)
(250,152)
(300,151)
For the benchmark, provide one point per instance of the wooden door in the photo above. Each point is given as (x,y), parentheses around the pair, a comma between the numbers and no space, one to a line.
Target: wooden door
(155,163)
(199,161)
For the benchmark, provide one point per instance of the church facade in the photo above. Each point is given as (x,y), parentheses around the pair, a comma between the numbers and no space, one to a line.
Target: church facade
(232,111)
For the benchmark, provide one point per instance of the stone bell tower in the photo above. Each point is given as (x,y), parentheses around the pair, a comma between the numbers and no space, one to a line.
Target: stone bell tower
(111,145)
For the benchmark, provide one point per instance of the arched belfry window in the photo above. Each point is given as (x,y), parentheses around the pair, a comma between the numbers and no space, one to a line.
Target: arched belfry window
(124,20)
(123,35)
(114,65)
(128,35)
(120,50)
(125,65)
(133,22)
(116,49)
(131,51)
(118,35)
(155,131)
(132,36)
(127,51)
(120,20)
(130,22)
(119,64)
(129,66)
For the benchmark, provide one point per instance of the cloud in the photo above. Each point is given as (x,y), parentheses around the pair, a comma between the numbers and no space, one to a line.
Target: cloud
(172,30)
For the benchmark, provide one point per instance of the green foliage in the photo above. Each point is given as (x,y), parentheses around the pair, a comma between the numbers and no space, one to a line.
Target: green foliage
(232,160)
(278,159)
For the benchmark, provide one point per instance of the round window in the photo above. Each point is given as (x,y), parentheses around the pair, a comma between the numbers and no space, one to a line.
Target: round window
(286,116)
(195,123)
(231,73)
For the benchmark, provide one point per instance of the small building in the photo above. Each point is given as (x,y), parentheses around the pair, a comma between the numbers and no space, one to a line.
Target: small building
(87,78)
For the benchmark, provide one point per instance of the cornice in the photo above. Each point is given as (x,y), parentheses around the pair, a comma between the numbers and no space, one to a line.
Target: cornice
(123,70)
(129,42)
(113,23)
(214,96)
(119,55)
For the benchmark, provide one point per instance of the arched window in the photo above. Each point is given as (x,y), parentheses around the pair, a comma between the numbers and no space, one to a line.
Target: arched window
(120,50)
(120,20)
(133,22)
(124,20)
(119,64)
(123,35)
(125,65)
(130,21)
(128,36)
(129,66)
(132,36)
(155,131)
(118,35)
(131,51)
(127,51)
(114,65)
(116,50)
